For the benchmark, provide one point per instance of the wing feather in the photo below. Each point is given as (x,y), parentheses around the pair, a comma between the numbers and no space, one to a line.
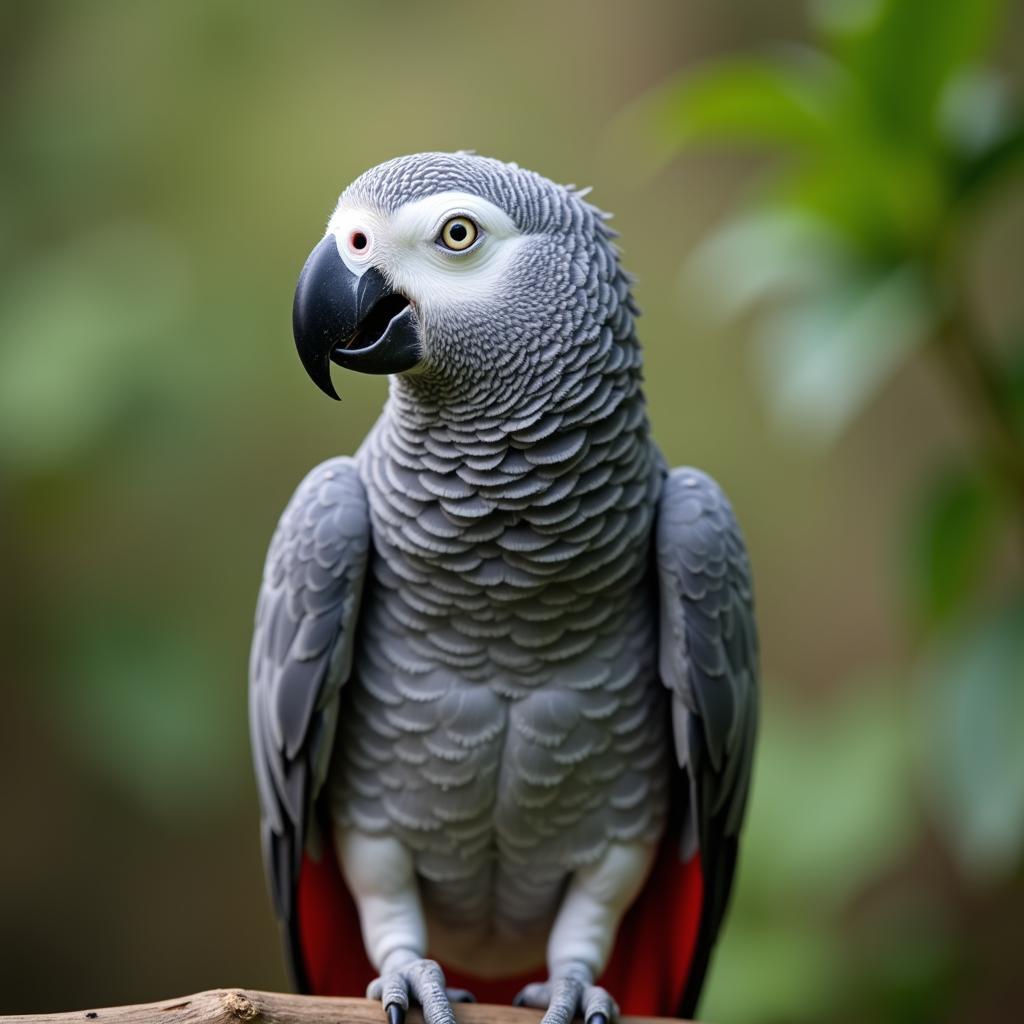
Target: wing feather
(708,660)
(301,657)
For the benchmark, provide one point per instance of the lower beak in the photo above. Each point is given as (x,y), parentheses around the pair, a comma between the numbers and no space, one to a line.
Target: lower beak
(356,321)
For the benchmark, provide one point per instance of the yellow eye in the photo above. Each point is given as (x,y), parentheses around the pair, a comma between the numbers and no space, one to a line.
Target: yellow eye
(458,233)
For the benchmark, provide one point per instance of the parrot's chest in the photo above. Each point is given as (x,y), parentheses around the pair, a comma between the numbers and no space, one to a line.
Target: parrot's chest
(505,721)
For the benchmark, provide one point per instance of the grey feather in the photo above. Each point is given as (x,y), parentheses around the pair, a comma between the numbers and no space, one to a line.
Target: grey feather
(709,663)
(301,655)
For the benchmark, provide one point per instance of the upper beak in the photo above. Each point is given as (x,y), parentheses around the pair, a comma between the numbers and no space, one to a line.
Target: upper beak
(358,321)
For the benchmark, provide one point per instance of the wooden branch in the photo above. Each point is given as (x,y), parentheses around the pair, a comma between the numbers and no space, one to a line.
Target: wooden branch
(244,1006)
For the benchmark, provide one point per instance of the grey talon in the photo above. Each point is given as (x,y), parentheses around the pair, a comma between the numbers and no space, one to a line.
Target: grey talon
(396,1013)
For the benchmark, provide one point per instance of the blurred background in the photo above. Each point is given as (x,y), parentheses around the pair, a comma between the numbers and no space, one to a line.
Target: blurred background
(824,208)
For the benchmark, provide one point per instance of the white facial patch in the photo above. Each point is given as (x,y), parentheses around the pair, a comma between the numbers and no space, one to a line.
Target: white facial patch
(404,247)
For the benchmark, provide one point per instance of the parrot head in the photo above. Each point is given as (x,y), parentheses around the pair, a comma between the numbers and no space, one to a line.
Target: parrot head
(453,268)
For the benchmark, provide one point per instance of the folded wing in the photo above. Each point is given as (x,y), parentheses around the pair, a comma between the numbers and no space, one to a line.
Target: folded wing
(708,661)
(301,657)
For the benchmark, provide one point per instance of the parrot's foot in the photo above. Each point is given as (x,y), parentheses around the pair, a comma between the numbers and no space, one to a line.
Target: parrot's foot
(419,981)
(568,995)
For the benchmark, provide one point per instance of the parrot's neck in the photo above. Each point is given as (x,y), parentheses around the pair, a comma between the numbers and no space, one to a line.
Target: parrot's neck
(552,460)
(512,396)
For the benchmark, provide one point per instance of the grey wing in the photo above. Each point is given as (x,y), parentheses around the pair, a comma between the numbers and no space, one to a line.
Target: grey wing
(708,660)
(301,656)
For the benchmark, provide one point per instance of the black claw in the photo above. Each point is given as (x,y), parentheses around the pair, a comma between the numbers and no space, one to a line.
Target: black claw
(597,1018)
(519,1000)
(396,1013)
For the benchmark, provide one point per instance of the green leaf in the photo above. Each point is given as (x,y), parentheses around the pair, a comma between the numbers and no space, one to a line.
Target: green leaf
(971,711)
(746,100)
(954,530)
(905,52)
(886,202)
(823,359)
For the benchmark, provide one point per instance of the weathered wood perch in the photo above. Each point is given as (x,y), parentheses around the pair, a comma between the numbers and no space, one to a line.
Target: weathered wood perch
(244,1006)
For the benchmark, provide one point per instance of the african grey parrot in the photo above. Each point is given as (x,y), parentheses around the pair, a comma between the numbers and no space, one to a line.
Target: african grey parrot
(505,661)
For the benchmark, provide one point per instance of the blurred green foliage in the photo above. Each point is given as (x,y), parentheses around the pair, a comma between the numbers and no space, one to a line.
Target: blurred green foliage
(886,141)
(890,142)
(165,169)
(808,853)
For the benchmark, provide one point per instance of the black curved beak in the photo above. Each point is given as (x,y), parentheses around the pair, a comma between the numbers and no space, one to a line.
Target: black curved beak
(358,322)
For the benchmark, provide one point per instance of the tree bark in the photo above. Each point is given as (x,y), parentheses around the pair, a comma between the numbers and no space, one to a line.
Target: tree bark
(244,1006)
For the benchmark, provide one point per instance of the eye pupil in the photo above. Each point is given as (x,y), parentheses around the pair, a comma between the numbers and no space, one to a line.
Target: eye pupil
(458,234)
(358,241)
